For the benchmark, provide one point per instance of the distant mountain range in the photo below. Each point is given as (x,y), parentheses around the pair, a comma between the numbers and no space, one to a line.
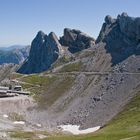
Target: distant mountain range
(14,54)
(9,48)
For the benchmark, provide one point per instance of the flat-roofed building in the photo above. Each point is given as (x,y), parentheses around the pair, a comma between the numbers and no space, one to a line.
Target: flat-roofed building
(18,88)
(4,88)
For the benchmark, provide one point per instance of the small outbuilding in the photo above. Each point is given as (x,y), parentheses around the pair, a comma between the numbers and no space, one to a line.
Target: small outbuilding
(18,88)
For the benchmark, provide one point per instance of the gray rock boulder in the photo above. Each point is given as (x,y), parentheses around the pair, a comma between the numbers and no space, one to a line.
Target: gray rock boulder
(76,40)
(44,51)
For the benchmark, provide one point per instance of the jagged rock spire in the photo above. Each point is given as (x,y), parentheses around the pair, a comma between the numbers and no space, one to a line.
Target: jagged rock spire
(44,51)
(76,40)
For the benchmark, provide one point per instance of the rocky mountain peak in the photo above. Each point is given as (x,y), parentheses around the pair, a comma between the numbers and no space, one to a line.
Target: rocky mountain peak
(76,40)
(109,20)
(40,33)
(44,51)
(54,38)
(40,36)
(124,14)
(121,36)
(129,26)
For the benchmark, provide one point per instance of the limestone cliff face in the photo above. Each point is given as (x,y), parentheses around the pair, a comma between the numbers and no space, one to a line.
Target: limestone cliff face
(130,26)
(121,36)
(127,26)
(76,40)
(44,51)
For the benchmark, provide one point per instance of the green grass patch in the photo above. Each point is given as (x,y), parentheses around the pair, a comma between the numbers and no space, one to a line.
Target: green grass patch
(37,79)
(48,95)
(16,75)
(23,135)
(47,89)
(32,135)
(27,86)
(72,67)
(85,54)
(62,60)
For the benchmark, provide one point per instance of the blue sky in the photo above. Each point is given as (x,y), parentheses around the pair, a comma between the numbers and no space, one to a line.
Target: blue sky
(20,20)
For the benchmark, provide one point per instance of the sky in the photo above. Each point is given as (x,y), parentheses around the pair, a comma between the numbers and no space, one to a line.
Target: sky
(20,20)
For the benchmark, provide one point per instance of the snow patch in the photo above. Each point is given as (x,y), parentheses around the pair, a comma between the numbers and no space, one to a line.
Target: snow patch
(38,125)
(19,122)
(74,129)
(40,136)
(5,116)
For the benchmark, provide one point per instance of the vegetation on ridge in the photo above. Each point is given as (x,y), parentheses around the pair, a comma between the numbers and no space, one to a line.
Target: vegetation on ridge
(72,67)
(47,89)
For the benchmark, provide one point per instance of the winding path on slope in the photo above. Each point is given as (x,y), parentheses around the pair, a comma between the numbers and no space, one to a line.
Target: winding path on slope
(95,73)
